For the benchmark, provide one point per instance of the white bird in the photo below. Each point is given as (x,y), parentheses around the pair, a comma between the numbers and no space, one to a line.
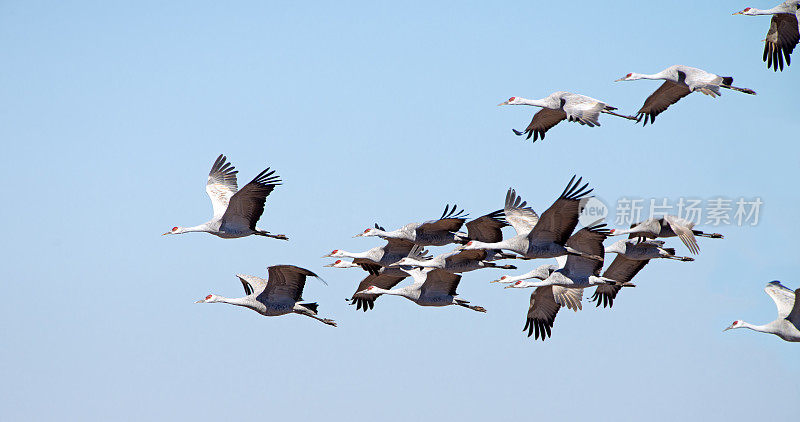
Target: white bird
(541,272)
(543,237)
(382,256)
(430,233)
(668,226)
(457,261)
(235,212)
(278,295)
(559,106)
(647,249)
(431,287)
(783,34)
(787,326)
(680,81)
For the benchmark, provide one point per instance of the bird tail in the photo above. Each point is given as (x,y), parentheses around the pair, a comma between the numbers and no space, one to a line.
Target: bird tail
(670,251)
(312,306)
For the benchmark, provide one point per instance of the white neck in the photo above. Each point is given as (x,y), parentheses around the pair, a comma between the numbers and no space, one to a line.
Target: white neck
(759,328)
(199,228)
(525,101)
(239,301)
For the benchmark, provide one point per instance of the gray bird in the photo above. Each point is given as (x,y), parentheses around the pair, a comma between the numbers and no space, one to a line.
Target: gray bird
(236,212)
(279,295)
(787,326)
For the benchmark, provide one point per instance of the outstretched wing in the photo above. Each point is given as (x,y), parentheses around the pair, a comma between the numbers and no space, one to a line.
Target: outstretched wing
(782,37)
(783,297)
(542,122)
(440,282)
(451,221)
(252,284)
(558,221)
(221,185)
(683,228)
(541,313)
(366,301)
(285,284)
(247,205)
(588,240)
(487,228)
(668,94)
(570,298)
(518,214)
(621,269)
(582,109)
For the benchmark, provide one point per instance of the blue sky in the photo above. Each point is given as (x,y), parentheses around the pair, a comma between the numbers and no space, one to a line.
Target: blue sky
(375,112)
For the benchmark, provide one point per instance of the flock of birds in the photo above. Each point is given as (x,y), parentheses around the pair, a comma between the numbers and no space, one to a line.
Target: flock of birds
(479,243)
(679,81)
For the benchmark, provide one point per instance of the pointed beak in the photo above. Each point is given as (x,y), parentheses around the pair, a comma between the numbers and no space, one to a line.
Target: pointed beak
(200,301)
(328,265)
(495,281)
(359,235)
(510,286)
(737,13)
(620,79)
(503,103)
(164,234)
(326,256)
(730,326)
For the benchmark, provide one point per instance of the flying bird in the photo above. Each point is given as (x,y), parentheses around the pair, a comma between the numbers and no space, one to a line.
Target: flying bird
(787,326)
(236,212)
(668,226)
(783,34)
(457,261)
(543,237)
(679,81)
(622,270)
(647,249)
(541,272)
(431,287)
(373,259)
(279,295)
(559,106)
(438,232)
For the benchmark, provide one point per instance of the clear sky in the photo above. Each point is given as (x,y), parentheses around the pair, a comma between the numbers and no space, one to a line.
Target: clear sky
(113,112)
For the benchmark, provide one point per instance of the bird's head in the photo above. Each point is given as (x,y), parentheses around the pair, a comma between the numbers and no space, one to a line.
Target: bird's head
(175,230)
(336,253)
(515,285)
(471,245)
(736,324)
(747,11)
(369,290)
(209,299)
(512,101)
(341,264)
(630,77)
(368,232)
(500,280)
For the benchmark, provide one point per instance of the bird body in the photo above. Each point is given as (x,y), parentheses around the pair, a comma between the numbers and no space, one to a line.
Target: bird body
(457,261)
(543,237)
(278,295)
(431,287)
(680,81)
(645,250)
(430,233)
(787,326)
(381,256)
(541,272)
(668,226)
(783,34)
(236,212)
(559,106)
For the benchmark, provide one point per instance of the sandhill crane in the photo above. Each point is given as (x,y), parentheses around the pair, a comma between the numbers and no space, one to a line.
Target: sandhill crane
(622,270)
(579,272)
(385,280)
(680,81)
(543,237)
(562,105)
(783,34)
(235,212)
(430,233)
(457,261)
(382,256)
(648,249)
(431,287)
(541,272)
(280,294)
(377,260)
(668,226)
(787,326)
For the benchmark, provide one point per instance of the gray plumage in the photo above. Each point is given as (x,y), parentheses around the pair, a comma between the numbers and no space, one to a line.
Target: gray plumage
(787,326)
